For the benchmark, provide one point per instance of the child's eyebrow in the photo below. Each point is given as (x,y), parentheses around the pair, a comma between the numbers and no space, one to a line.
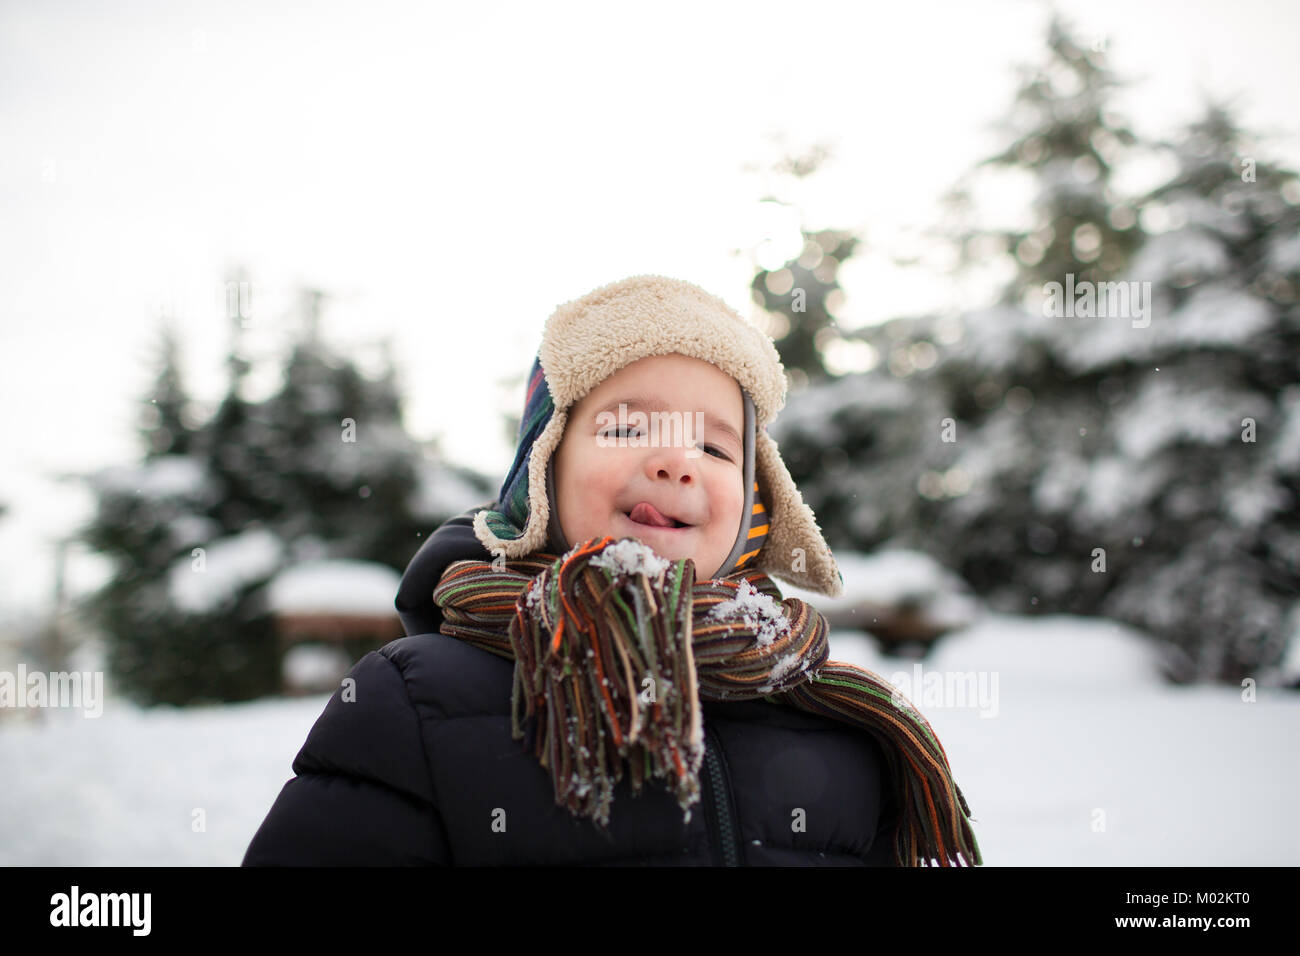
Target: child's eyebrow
(639,403)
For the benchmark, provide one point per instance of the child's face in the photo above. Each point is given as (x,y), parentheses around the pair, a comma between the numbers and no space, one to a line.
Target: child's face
(599,484)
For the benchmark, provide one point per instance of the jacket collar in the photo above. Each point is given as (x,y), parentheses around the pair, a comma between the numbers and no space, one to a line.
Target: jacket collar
(453,541)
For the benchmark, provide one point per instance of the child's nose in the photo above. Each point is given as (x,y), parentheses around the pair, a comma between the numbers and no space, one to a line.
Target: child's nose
(674,464)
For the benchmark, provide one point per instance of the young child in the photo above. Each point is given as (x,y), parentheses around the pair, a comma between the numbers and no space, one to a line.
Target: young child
(646,696)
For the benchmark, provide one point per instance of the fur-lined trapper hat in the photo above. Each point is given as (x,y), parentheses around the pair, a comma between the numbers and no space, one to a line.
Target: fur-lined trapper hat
(590,338)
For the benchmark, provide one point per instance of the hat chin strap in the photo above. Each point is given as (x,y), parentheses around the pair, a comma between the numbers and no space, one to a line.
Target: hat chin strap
(747,509)
(557,543)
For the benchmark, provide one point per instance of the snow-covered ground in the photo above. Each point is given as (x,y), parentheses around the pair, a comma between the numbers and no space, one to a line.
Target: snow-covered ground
(1067,746)
(1088,759)
(122,789)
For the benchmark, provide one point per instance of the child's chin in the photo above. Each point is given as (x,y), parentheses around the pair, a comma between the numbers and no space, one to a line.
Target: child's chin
(671,543)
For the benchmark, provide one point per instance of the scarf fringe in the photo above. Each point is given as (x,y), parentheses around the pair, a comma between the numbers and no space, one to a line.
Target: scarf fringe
(609,694)
(612,662)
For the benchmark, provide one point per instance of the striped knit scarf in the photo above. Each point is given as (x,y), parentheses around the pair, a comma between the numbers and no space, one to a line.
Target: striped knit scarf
(615,646)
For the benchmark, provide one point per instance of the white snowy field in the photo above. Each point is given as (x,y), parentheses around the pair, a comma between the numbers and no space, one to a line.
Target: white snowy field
(1069,751)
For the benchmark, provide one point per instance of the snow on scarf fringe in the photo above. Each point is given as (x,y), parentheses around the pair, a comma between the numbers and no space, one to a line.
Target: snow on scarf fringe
(601,663)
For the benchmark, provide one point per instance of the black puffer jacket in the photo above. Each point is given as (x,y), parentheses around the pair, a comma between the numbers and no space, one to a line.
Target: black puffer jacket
(420,768)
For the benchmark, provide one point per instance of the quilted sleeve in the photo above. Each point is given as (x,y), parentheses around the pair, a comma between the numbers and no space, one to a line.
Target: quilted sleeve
(362,794)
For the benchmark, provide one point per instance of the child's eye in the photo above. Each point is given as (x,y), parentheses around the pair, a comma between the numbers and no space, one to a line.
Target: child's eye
(616,432)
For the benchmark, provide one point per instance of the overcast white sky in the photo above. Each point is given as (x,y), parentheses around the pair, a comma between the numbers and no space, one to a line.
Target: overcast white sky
(452,172)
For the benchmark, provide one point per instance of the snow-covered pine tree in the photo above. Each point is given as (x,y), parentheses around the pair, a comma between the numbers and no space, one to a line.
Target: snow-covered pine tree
(321,468)
(164,420)
(1066,139)
(803,293)
(148,518)
(941,454)
(1200,472)
(1141,466)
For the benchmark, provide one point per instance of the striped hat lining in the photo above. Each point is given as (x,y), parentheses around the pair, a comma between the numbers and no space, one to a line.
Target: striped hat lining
(758,527)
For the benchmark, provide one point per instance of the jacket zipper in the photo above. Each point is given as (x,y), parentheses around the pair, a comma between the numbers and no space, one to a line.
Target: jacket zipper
(723,830)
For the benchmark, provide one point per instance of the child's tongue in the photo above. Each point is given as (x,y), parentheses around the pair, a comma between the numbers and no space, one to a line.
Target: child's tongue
(646,513)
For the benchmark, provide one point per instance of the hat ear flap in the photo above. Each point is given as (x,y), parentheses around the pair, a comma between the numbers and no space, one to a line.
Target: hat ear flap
(518,524)
(795,551)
